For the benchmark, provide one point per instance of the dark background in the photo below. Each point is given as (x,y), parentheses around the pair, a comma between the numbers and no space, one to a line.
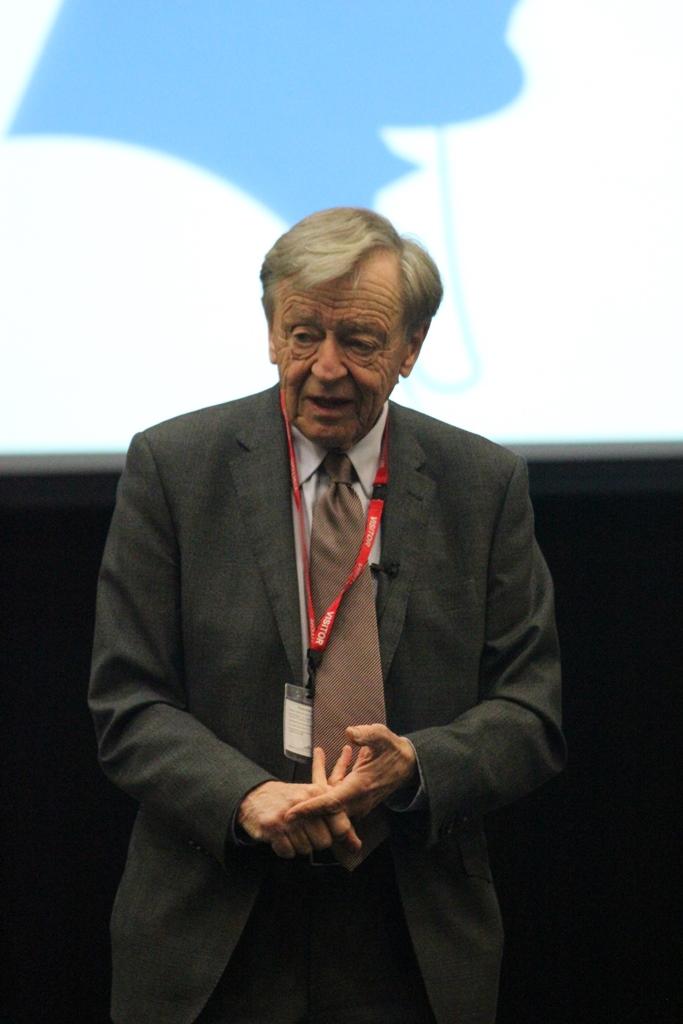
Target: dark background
(587,868)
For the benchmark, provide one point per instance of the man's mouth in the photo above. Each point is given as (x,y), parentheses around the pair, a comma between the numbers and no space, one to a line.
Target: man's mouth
(328,403)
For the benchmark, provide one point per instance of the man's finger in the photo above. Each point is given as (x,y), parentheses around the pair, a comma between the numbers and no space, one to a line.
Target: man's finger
(300,841)
(365,755)
(318,776)
(326,804)
(369,735)
(344,833)
(319,833)
(283,848)
(342,766)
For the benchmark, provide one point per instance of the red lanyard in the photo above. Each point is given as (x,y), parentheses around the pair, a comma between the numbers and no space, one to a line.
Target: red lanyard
(319,633)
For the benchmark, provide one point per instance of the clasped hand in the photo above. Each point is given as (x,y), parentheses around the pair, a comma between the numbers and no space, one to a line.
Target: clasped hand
(297,818)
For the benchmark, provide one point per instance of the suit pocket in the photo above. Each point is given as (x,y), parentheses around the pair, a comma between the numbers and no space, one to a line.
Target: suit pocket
(474,854)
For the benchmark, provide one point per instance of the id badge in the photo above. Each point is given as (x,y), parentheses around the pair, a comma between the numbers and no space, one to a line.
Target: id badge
(297,723)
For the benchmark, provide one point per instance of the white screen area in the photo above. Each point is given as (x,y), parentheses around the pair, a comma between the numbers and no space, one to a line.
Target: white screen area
(151,153)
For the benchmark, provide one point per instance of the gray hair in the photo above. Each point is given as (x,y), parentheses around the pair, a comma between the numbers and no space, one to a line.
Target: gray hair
(332,243)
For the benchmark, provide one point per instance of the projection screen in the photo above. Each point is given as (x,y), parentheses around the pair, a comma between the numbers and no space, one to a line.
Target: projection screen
(150,153)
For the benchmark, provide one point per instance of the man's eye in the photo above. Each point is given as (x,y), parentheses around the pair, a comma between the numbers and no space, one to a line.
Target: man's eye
(364,348)
(303,338)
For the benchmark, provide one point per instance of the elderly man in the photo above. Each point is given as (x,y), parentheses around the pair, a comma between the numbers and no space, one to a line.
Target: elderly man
(325,649)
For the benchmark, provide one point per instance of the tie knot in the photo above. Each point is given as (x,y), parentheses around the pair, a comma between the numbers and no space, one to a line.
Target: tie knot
(338,467)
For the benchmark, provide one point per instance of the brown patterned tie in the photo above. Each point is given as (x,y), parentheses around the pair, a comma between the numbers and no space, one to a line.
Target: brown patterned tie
(349,688)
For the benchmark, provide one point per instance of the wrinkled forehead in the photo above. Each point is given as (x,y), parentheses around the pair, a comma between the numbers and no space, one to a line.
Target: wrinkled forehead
(371,291)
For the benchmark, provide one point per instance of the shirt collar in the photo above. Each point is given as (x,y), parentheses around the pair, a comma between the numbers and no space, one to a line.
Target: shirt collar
(364,454)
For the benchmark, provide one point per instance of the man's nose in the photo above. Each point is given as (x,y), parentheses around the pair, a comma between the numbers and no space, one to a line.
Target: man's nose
(328,364)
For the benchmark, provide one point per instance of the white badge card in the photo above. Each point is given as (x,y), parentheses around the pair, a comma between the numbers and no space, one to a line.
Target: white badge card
(297,723)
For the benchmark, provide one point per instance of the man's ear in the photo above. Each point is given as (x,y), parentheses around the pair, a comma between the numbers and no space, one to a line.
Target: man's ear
(272,349)
(414,344)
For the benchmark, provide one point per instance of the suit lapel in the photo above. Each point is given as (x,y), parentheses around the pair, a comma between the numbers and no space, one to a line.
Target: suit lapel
(260,471)
(409,497)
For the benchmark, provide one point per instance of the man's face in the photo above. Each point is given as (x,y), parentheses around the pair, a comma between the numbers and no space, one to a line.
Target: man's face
(340,348)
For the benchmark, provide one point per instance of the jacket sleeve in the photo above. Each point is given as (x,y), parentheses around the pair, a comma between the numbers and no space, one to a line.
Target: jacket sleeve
(511,740)
(149,744)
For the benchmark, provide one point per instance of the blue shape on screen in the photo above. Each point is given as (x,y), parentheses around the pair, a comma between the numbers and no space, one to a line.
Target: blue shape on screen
(285,99)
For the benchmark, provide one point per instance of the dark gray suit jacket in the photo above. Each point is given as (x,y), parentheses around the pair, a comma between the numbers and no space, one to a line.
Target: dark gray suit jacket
(198,631)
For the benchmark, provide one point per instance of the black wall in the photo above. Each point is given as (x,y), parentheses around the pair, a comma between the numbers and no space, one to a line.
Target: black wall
(587,868)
